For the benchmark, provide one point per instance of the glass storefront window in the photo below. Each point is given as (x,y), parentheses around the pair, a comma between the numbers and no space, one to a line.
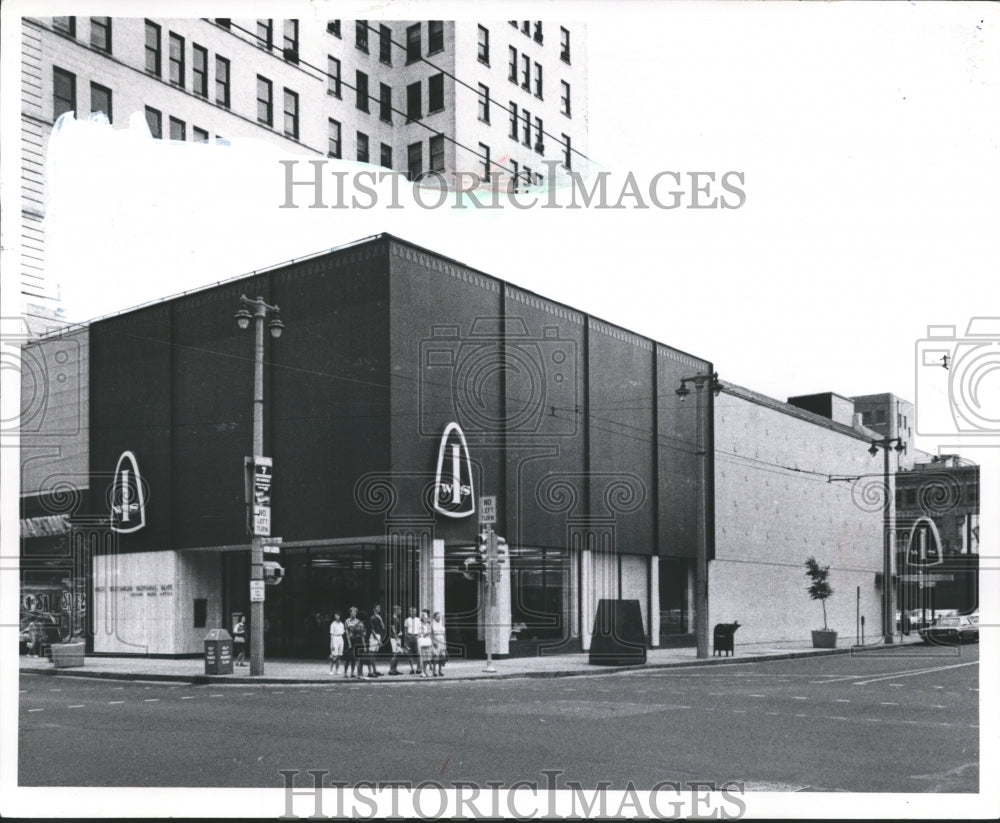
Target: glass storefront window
(676,612)
(539,594)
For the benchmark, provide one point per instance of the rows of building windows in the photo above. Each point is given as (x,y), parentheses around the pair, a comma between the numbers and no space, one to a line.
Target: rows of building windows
(177,65)
(525,128)
(177,128)
(100,31)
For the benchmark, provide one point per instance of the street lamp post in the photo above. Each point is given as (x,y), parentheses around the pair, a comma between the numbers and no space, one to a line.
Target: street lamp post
(701,558)
(888,611)
(257,310)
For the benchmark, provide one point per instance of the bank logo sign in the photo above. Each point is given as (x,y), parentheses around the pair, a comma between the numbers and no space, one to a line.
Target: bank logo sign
(128,500)
(453,492)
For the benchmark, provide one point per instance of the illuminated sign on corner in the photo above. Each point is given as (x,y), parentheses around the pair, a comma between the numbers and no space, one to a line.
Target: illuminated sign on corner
(453,492)
(128,499)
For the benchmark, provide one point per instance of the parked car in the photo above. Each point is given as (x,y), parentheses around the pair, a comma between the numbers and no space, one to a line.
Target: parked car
(958,628)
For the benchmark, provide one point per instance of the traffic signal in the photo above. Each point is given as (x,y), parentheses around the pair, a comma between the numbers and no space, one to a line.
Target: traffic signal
(484,545)
(274,572)
(503,553)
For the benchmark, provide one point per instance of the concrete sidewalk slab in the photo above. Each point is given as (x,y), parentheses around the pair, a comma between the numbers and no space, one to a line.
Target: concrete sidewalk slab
(280,671)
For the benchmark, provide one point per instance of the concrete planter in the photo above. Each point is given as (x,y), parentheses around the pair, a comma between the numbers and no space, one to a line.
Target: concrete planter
(67,655)
(824,639)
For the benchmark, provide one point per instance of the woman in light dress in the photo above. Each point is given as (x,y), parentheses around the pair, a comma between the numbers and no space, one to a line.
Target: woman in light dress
(439,649)
(336,644)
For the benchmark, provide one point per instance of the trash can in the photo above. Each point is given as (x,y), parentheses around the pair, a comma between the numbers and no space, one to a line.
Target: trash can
(722,637)
(218,652)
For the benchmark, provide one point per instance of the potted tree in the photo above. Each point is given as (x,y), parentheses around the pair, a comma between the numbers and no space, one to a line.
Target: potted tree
(819,589)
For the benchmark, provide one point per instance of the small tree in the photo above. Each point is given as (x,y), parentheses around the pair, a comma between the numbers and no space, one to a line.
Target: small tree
(820,588)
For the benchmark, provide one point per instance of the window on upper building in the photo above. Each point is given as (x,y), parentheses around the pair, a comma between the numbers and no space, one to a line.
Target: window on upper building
(291,114)
(178,130)
(413,102)
(526,121)
(63,93)
(484,154)
(385,45)
(100,101)
(513,120)
(176,60)
(333,76)
(265,101)
(526,27)
(484,103)
(567,152)
(199,135)
(362,142)
(333,27)
(199,70)
(290,41)
(224,22)
(385,156)
(153,48)
(866,418)
(333,139)
(413,43)
(265,33)
(361,90)
(538,31)
(435,92)
(155,122)
(484,45)
(100,33)
(361,35)
(435,36)
(414,161)
(879,416)
(526,72)
(512,64)
(436,147)
(538,81)
(222,81)
(515,174)
(385,103)
(564,44)
(66,25)
(565,102)
(539,136)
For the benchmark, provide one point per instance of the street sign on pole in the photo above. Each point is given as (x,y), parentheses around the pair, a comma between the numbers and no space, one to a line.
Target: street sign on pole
(487,510)
(256,591)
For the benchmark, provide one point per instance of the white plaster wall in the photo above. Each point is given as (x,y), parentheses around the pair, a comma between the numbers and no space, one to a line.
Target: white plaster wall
(199,575)
(775,507)
(135,603)
(772,606)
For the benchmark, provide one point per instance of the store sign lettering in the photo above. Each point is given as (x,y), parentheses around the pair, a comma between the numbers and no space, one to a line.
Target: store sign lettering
(128,501)
(453,489)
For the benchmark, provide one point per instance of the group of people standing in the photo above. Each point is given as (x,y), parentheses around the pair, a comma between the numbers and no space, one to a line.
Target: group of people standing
(420,640)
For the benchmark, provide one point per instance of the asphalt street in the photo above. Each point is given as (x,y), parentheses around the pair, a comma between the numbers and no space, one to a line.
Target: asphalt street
(904,720)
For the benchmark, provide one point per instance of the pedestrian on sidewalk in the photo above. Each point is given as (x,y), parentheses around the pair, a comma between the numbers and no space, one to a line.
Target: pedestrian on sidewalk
(240,640)
(424,642)
(395,640)
(439,648)
(411,631)
(355,643)
(337,644)
(376,632)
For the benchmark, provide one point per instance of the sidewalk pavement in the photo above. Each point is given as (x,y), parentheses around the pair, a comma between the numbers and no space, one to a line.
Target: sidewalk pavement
(192,670)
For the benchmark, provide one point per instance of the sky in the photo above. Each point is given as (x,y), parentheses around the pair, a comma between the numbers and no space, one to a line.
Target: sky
(866,133)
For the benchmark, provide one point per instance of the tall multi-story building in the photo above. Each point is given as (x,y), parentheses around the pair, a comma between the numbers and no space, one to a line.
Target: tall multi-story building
(491,98)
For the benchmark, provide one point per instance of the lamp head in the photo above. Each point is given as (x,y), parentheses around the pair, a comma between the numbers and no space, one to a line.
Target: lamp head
(873,450)
(243,318)
(276,327)
(683,391)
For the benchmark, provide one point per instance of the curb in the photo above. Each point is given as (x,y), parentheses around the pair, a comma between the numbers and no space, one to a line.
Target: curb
(226,680)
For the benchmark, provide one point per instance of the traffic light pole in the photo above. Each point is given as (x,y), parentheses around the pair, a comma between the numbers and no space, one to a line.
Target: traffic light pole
(490,576)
